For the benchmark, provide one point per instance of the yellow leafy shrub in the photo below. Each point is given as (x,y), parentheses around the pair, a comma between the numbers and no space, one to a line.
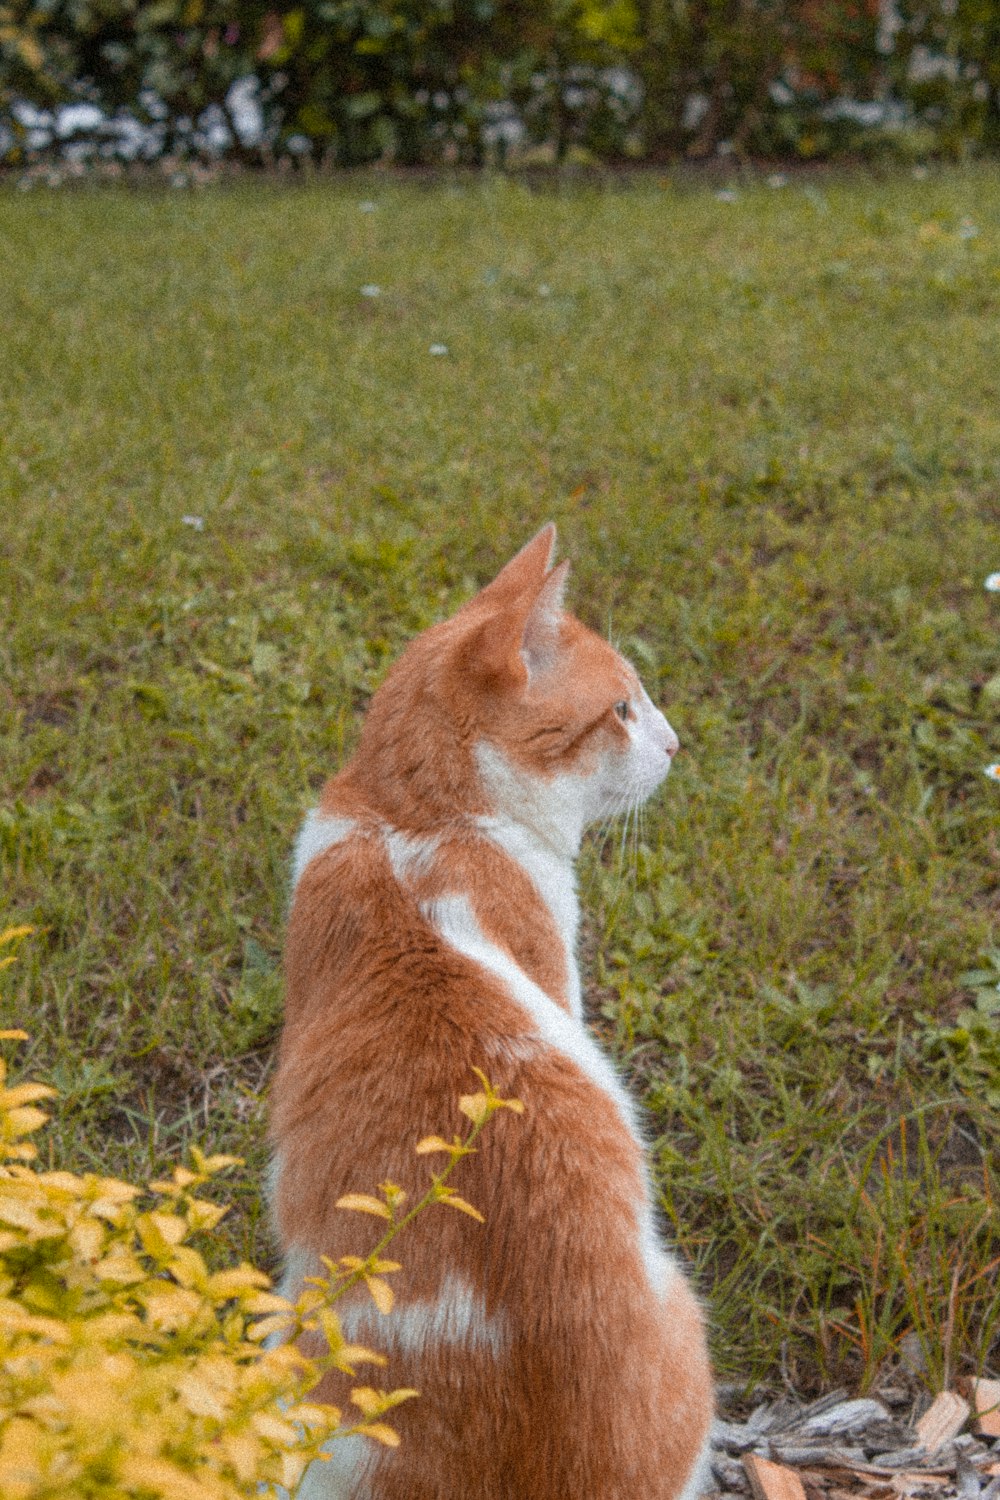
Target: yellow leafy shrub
(129,1368)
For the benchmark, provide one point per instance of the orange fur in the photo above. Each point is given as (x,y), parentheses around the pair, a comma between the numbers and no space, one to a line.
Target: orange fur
(557,1351)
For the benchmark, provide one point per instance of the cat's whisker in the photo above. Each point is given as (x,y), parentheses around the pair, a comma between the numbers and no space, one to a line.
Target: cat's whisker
(600,836)
(623,833)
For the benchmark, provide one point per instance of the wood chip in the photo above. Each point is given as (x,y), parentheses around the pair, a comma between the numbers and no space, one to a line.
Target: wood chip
(901,1458)
(946,1416)
(845,1417)
(985,1398)
(772,1481)
(909,1484)
(966,1480)
(830,1456)
(876,1471)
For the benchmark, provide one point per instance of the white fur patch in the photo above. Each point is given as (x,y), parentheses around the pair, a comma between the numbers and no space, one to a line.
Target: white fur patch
(554,878)
(317,834)
(455,921)
(299,1263)
(343,1475)
(457,1316)
(700,1479)
(555,809)
(407,855)
(653,745)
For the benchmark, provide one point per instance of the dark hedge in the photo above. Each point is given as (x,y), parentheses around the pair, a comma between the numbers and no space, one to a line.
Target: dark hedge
(425,81)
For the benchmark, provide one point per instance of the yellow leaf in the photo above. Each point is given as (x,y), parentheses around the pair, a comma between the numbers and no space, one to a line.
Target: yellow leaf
(24,1121)
(454,1201)
(226,1284)
(313,1415)
(17,1319)
(200,1398)
(381,1293)
(13,1035)
(475,1106)
(357,1354)
(382,1433)
(172,1227)
(267,1302)
(203,1216)
(243,1452)
(163,1478)
(170,1308)
(119,1265)
(432,1143)
(290,1467)
(373,1404)
(277,1323)
(343,1354)
(18,1153)
(182,1178)
(187,1266)
(25,1216)
(25,1093)
(364,1203)
(208,1165)
(159,1233)
(370,1403)
(64,1182)
(273,1429)
(494,1098)
(87,1239)
(11,935)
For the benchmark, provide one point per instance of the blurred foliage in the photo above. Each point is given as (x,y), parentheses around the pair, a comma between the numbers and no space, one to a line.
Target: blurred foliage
(350,82)
(129,1367)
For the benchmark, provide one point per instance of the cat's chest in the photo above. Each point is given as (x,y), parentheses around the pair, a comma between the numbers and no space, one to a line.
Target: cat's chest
(554,879)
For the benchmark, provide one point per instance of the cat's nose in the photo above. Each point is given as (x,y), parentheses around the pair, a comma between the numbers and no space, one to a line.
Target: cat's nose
(671,743)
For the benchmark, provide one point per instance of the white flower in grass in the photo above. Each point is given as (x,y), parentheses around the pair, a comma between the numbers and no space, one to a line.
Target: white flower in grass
(727,195)
(367,207)
(438,349)
(993,771)
(777,180)
(371,290)
(544,290)
(196,522)
(992,583)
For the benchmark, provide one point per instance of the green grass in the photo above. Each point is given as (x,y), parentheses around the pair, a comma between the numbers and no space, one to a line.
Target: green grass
(769,431)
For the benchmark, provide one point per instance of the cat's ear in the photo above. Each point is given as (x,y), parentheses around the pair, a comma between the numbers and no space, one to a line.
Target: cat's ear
(540,635)
(519,639)
(524,574)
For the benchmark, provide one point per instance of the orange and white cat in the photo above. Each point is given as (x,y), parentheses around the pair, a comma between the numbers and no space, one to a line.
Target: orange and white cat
(558,1349)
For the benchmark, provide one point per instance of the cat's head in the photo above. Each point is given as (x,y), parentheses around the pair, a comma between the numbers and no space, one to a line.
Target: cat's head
(521,710)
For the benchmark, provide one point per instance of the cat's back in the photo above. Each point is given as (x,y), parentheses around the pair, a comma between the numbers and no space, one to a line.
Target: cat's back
(557,1347)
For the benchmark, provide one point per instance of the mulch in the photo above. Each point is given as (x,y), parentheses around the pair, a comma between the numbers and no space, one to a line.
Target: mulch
(838,1448)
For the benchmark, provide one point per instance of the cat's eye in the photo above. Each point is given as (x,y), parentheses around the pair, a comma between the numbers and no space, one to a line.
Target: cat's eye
(622,710)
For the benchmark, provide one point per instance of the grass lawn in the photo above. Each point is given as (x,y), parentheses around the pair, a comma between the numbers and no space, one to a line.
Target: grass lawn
(769,431)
